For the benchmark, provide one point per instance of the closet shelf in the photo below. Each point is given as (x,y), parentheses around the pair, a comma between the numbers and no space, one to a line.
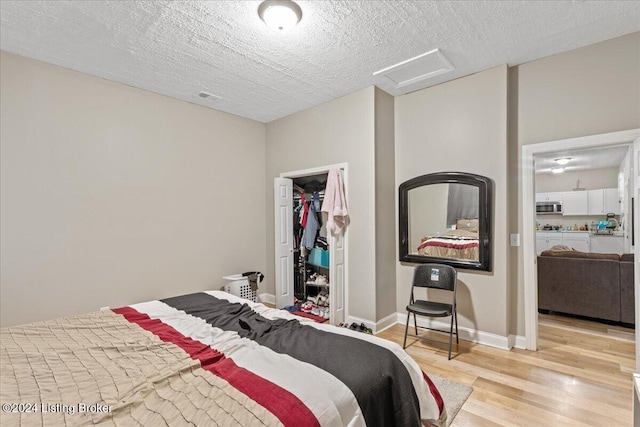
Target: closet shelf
(317,265)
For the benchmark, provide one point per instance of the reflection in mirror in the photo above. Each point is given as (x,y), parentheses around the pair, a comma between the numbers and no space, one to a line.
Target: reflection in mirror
(445,218)
(443,221)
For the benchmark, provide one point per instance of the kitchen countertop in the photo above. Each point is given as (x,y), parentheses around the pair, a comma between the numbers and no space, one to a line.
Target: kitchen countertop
(593,233)
(614,234)
(561,231)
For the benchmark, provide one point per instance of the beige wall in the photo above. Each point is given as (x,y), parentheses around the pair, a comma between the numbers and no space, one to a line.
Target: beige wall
(587,91)
(461,126)
(385,212)
(340,131)
(113,195)
(590,179)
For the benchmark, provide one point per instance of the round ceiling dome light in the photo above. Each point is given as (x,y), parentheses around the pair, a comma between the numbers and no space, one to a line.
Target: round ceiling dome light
(280,15)
(557,170)
(563,160)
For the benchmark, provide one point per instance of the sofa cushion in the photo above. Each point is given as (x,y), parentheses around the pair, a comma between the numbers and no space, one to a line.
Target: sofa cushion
(627,305)
(626,257)
(583,286)
(581,255)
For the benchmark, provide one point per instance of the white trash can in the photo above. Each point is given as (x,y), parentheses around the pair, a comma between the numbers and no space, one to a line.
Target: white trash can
(239,286)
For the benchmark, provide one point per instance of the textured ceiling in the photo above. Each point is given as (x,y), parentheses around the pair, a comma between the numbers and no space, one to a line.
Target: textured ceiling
(581,159)
(180,49)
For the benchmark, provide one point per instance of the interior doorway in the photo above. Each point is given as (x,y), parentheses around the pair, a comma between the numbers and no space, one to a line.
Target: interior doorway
(288,260)
(528,217)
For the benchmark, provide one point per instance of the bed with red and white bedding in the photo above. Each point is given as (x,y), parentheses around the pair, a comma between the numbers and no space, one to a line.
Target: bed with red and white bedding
(208,358)
(457,244)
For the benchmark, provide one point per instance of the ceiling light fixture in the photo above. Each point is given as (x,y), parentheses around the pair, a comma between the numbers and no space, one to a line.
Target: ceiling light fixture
(557,170)
(280,15)
(563,160)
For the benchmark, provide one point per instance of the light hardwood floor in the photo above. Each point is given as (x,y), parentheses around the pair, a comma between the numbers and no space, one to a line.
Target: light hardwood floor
(580,376)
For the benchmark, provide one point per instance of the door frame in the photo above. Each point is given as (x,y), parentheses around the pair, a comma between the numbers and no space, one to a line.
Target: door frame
(528,216)
(635,162)
(345,237)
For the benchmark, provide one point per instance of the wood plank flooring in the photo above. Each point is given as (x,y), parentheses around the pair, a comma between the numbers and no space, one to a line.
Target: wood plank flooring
(580,376)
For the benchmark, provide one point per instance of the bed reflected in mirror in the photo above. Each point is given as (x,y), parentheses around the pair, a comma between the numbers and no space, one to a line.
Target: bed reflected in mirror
(445,217)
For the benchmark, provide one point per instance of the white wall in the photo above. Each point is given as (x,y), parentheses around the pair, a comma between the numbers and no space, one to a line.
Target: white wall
(113,195)
(590,179)
(461,126)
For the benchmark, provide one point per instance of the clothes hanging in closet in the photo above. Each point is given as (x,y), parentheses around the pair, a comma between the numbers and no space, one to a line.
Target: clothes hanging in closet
(311,229)
(335,203)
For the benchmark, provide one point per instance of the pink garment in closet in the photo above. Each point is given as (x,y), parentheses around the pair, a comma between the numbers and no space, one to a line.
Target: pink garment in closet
(335,203)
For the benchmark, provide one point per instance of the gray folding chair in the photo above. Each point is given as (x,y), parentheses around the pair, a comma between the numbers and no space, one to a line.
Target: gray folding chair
(435,276)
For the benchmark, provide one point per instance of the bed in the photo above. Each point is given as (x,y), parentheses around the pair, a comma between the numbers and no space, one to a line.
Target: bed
(458,244)
(208,358)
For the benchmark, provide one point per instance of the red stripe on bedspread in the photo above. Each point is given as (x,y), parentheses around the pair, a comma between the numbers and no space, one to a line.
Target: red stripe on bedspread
(435,393)
(280,402)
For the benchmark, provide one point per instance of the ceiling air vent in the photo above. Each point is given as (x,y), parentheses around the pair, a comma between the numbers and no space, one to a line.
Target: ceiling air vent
(421,67)
(209,96)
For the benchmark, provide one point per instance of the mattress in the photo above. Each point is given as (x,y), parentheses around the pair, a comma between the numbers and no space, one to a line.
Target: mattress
(208,358)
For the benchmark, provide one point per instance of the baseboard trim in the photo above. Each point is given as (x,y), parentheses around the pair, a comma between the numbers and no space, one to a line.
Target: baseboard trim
(518,341)
(267,298)
(385,323)
(467,334)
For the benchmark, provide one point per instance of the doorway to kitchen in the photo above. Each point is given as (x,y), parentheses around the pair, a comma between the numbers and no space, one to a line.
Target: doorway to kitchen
(529,152)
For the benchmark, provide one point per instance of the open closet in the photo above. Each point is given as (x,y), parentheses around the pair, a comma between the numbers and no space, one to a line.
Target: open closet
(311,252)
(309,259)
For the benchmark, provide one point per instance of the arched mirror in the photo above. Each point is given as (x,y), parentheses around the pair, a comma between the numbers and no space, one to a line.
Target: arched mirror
(446,217)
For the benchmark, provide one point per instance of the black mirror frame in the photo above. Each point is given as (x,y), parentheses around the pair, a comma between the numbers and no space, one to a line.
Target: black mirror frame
(485,186)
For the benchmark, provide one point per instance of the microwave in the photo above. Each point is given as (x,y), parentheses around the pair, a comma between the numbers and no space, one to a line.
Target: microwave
(549,208)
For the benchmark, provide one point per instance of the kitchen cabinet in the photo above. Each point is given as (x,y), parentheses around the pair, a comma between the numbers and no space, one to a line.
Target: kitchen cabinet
(607,244)
(545,241)
(575,203)
(604,201)
(549,197)
(578,241)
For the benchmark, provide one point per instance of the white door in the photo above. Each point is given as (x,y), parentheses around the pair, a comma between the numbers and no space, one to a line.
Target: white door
(337,275)
(283,201)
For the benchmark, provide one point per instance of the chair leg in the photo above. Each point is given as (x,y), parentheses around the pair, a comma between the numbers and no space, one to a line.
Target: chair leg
(451,335)
(415,323)
(406,329)
(456,314)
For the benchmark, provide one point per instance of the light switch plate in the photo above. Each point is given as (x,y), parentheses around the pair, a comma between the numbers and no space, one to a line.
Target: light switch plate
(514,239)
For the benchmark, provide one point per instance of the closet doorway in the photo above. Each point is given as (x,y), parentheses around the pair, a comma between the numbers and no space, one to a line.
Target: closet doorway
(299,274)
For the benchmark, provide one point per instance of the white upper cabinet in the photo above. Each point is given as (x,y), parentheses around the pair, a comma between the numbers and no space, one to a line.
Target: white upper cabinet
(612,201)
(575,203)
(549,197)
(604,201)
(596,202)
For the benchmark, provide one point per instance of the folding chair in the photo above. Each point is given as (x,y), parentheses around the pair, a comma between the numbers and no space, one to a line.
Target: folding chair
(434,276)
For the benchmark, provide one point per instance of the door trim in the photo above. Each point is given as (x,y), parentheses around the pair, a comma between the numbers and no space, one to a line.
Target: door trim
(345,236)
(528,215)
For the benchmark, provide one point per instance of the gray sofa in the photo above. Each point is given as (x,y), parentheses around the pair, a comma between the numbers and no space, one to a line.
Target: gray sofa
(587,284)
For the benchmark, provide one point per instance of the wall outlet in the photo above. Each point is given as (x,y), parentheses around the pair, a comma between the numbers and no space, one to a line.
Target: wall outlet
(514,239)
